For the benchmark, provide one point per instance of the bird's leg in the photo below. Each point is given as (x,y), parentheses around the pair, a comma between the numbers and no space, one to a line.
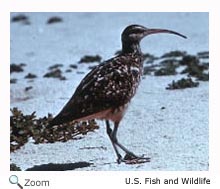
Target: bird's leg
(129,155)
(109,132)
(115,140)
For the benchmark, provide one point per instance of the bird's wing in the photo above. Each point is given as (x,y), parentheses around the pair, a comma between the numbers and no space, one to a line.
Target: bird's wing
(109,85)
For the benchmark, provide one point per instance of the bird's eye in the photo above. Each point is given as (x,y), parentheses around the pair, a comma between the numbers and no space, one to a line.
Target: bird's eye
(133,36)
(135,33)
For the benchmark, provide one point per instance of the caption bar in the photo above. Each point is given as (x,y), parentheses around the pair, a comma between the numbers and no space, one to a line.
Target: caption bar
(178,180)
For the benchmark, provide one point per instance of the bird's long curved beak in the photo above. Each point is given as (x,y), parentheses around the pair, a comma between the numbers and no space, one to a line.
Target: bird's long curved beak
(154,31)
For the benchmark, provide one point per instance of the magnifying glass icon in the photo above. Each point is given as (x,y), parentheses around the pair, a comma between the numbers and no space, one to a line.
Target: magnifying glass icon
(13,179)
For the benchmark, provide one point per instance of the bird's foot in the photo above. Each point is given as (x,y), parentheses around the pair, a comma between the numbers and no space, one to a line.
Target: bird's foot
(133,159)
(120,159)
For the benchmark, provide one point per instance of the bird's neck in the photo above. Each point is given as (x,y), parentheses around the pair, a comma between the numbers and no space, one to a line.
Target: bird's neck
(131,47)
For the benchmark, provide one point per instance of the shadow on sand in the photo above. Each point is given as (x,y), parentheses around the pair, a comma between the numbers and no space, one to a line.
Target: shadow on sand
(59,167)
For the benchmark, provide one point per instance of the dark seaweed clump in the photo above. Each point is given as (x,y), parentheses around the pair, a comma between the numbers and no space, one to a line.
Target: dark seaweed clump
(28,88)
(30,76)
(54,19)
(168,63)
(55,73)
(14,167)
(13,81)
(203,55)
(182,84)
(149,58)
(55,66)
(21,18)
(17,67)
(195,65)
(22,127)
(174,54)
(195,68)
(168,67)
(90,59)
(73,66)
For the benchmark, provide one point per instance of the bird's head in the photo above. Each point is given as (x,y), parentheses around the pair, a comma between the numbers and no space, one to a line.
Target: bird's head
(133,34)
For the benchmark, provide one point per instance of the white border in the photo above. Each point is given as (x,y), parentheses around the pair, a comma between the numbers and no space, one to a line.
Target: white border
(109,179)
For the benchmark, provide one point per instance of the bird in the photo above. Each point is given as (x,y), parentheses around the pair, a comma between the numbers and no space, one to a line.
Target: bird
(106,91)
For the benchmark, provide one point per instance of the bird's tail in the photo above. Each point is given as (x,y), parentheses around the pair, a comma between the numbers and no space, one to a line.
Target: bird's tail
(59,119)
(55,121)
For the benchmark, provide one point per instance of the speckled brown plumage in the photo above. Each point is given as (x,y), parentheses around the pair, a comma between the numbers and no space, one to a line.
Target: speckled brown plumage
(110,85)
